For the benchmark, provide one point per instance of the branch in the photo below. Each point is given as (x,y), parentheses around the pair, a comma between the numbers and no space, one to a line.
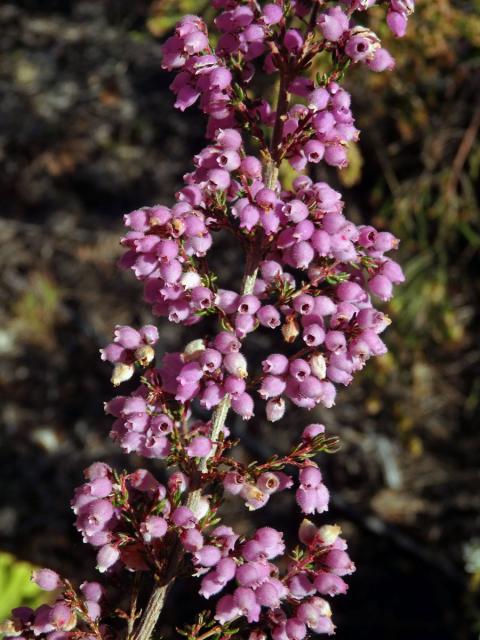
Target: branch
(151,613)
(282,106)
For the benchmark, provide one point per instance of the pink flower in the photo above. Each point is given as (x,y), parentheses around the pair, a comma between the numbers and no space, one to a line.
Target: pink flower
(153,527)
(199,447)
(183,517)
(107,557)
(47,579)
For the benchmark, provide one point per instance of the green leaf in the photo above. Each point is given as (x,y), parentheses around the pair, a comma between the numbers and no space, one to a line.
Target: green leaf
(16,587)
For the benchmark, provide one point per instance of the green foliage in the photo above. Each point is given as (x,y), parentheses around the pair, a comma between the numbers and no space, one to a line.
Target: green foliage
(35,313)
(16,588)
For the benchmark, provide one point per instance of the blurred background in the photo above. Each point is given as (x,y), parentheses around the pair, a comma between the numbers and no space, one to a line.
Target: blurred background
(87,133)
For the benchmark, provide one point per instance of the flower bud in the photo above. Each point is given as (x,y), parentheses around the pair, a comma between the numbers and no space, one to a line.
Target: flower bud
(243,405)
(192,540)
(276,364)
(121,373)
(275,409)
(271,387)
(290,330)
(310,476)
(318,366)
(307,531)
(178,481)
(208,556)
(233,482)
(107,557)
(330,584)
(92,591)
(313,335)
(272,13)
(144,355)
(184,517)
(339,562)
(397,23)
(62,617)
(127,337)
(199,447)
(312,431)
(333,24)
(329,533)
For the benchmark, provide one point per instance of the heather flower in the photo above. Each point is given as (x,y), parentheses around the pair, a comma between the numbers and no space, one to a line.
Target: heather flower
(92,591)
(153,527)
(107,557)
(199,447)
(312,276)
(275,409)
(333,24)
(47,579)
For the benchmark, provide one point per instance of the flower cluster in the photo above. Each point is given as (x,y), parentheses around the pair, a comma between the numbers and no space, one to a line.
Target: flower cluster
(130,347)
(209,371)
(134,520)
(397,15)
(247,33)
(256,492)
(123,516)
(285,606)
(71,615)
(332,312)
(202,74)
(320,129)
(258,485)
(217,554)
(311,275)
(161,247)
(140,425)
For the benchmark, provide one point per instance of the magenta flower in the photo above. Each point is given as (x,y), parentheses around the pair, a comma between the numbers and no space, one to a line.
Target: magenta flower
(47,579)
(311,276)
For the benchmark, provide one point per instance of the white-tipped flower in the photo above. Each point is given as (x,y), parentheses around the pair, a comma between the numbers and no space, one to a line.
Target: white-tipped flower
(275,409)
(193,350)
(190,279)
(307,531)
(236,364)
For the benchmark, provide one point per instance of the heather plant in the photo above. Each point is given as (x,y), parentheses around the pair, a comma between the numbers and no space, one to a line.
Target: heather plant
(310,274)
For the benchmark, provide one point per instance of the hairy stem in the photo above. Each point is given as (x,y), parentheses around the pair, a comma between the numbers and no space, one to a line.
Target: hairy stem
(218,420)
(282,106)
(270,174)
(151,613)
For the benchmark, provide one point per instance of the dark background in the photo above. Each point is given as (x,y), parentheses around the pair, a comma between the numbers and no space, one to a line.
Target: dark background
(88,132)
